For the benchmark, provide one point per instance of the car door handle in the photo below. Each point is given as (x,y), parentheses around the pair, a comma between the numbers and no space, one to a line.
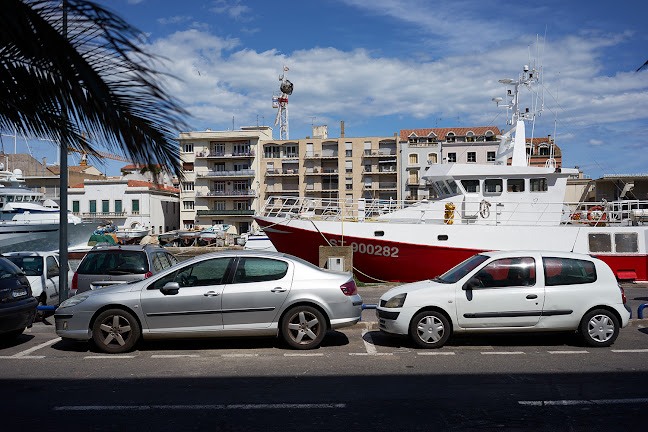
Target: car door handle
(278,289)
(532,296)
(211,294)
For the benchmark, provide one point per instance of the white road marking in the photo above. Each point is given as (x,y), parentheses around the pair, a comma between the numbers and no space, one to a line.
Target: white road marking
(174,355)
(369,354)
(568,352)
(109,356)
(630,350)
(582,402)
(303,355)
(436,353)
(368,342)
(239,355)
(37,347)
(23,357)
(503,352)
(196,407)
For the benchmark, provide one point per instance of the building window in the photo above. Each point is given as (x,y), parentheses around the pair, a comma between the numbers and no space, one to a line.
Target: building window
(291,151)
(188,224)
(135,206)
(241,149)
(93,206)
(272,152)
(413,159)
(188,205)
(219,186)
(472,157)
(75,206)
(105,206)
(241,185)
(219,205)
(242,205)
(452,157)
(450,137)
(349,183)
(218,149)
(544,151)
(367,148)
(118,206)
(432,158)
(187,166)
(218,222)
(348,166)
(348,149)
(187,186)
(490,156)
(188,148)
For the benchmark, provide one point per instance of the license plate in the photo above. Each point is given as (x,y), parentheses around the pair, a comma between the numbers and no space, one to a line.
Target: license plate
(19,293)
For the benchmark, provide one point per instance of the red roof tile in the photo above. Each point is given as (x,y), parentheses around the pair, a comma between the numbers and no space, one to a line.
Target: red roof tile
(442,132)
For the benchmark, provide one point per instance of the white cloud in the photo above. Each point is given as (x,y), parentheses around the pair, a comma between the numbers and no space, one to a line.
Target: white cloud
(174,19)
(232,8)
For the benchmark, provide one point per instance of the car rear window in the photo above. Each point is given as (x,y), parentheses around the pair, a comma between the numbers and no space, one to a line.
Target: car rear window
(31,265)
(114,262)
(568,271)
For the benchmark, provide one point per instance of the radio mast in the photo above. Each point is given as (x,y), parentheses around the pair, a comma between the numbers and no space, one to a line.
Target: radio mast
(281,103)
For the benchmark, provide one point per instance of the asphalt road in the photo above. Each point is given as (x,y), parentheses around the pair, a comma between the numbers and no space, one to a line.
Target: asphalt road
(359,379)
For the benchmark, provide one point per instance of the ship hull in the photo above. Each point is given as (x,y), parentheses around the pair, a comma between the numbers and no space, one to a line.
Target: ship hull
(411,252)
(15,237)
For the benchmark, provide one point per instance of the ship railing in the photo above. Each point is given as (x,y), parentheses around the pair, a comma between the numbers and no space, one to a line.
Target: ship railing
(497,213)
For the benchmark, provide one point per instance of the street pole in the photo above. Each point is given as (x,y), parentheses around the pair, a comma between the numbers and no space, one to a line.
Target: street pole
(63,204)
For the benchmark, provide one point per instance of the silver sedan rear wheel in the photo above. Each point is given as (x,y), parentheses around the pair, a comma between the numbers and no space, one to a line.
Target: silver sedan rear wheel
(303,327)
(430,329)
(115,331)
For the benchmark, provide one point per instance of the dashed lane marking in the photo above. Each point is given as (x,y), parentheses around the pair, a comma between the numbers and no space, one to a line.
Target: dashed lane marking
(629,350)
(503,352)
(569,352)
(109,356)
(174,355)
(197,407)
(303,355)
(584,402)
(439,353)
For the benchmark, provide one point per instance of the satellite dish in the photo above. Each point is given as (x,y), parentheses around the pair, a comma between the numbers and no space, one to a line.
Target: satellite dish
(286,87)
(506,81)
(497,99)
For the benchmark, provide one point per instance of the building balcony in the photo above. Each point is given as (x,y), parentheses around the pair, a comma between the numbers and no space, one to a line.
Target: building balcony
(108,215)
(225,213)
(249,193)
(225,155)
(323,155)
(282,172)
(381,186)
(247,173)
(379,153)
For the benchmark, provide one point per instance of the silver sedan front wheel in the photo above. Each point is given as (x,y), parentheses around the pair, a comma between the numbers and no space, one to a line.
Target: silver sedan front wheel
(303,327)
(115,331)
(430,329)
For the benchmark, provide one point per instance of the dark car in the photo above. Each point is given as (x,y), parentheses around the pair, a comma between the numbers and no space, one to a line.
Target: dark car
(110,265)
(17,305)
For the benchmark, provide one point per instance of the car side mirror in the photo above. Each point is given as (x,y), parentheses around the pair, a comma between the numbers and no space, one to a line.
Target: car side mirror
(170,288)
(52,272)
(473,283)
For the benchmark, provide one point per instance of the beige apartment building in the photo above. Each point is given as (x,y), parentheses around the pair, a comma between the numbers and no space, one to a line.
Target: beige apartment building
(221,177)
(323,167)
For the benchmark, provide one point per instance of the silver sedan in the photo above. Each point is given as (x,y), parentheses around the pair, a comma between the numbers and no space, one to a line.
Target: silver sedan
(233,293)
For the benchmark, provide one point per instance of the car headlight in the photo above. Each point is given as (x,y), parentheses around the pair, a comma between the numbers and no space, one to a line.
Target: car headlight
(396,301)
(72,301)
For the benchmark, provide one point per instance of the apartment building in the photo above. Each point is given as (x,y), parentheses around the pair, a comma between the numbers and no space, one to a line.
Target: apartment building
(323,167)
(420,148)
(222,180)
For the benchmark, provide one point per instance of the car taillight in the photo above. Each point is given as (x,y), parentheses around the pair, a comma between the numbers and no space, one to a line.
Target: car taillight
(623,297)
(148,275)
(75,282)
(349,288)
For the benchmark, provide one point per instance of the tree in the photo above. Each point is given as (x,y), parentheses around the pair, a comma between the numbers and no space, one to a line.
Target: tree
(83,71)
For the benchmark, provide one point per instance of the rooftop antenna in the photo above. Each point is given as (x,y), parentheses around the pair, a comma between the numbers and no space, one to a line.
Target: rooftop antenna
(281,103)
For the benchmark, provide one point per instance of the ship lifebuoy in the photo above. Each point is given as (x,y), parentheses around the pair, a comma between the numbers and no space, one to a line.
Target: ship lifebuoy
(596,216)
(484,209)
(449,213)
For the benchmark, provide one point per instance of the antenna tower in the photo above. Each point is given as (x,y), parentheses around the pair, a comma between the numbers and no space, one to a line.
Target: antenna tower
(281,103)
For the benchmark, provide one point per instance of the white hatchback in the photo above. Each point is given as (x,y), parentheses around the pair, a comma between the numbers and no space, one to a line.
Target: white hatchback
(514,291)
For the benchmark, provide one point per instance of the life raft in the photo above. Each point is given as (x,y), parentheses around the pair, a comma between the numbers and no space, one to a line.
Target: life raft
(449,213)
(596,216)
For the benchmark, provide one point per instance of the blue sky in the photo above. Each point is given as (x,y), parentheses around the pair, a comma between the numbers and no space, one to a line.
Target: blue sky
(386,65)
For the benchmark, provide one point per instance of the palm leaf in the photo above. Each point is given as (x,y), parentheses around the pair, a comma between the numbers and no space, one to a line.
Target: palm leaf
(94,78)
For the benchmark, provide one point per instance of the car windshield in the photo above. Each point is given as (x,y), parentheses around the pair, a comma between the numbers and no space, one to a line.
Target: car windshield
(114,262)
(461,270)
(30,265)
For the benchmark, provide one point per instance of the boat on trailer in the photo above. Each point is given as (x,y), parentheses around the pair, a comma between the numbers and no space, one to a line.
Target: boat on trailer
(479,208)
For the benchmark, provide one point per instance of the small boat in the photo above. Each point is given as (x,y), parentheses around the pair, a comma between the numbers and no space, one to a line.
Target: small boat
(168,237)
(188,237)
(214,232)
(257,241)
(132,234)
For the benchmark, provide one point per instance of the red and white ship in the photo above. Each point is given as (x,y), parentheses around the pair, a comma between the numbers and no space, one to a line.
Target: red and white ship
(479,208)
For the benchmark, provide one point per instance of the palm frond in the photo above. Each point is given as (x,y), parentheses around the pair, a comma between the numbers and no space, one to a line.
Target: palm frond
(94,78)
(643,67)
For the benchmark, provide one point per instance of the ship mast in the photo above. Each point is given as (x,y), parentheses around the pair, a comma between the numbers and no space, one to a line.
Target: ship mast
(513,140)
(281,103)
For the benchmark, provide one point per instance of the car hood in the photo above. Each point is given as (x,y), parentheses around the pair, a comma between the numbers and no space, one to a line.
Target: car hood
(412,287)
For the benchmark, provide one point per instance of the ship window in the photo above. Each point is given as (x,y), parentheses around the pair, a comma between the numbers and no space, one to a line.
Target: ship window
(626,242)
(454,190)
(515,185)
(493,186)
(442,186)
(10,198)
(600,242)
(379,233)
(442,237)
(471,186)
(538,185)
